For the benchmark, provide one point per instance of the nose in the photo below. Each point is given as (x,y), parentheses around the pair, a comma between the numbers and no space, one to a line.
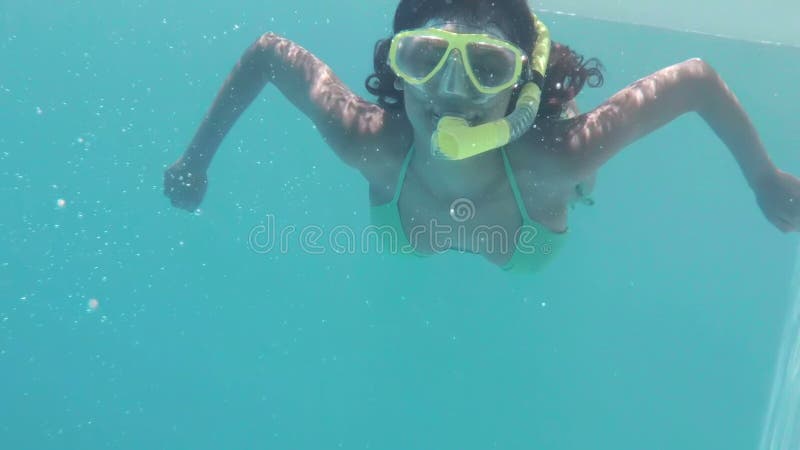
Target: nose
(454,81)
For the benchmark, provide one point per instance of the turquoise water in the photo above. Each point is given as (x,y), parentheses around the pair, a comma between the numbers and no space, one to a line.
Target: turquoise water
(658,327)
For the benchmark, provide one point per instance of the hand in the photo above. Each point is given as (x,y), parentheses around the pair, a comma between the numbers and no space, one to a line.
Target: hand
(778,195)
(185,186)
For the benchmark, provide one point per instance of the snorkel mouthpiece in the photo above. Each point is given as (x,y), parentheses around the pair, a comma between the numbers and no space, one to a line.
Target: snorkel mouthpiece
(455,139)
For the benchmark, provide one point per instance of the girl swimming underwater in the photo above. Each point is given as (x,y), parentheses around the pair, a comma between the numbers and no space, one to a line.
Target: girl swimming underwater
(476,105)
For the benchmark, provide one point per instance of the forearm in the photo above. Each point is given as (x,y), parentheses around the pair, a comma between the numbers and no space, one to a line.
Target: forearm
(720,108)
(242,86)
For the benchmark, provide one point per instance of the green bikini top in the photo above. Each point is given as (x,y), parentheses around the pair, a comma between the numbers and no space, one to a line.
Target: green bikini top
(535,244)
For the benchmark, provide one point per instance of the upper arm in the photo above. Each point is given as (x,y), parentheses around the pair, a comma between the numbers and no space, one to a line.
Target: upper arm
(591,139)
(353,127)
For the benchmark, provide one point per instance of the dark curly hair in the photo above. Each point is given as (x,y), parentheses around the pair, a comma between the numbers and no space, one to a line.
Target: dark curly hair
(567,72)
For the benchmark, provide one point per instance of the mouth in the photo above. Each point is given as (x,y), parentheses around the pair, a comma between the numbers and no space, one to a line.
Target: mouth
(471,119)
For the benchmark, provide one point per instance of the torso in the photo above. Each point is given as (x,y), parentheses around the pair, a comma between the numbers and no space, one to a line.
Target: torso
(545,188)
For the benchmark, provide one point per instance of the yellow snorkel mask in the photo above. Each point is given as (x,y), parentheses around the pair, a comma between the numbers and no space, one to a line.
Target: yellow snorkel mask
(492,66)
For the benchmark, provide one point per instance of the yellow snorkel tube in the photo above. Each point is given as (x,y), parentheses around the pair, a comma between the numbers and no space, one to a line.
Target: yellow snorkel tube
(456,140)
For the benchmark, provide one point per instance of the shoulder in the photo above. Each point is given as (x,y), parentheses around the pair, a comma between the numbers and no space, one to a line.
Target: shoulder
(383,154)
(544,151)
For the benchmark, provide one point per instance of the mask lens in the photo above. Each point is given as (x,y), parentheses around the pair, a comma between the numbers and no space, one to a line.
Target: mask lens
(417,56)
(492,66)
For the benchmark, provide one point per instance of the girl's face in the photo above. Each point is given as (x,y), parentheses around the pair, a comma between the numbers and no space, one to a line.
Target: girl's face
(450,92)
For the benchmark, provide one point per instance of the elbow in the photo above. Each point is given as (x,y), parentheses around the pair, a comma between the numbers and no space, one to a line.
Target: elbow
(698,66)
(698,70)
(262,54)
(703,80)
(266,40)
(266,45)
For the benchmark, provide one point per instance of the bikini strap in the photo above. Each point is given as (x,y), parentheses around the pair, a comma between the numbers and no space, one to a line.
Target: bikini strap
(512,180)
(402,176)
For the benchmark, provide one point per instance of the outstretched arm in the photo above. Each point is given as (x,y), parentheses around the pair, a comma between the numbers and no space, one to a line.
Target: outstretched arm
(591,139)
(353,127)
